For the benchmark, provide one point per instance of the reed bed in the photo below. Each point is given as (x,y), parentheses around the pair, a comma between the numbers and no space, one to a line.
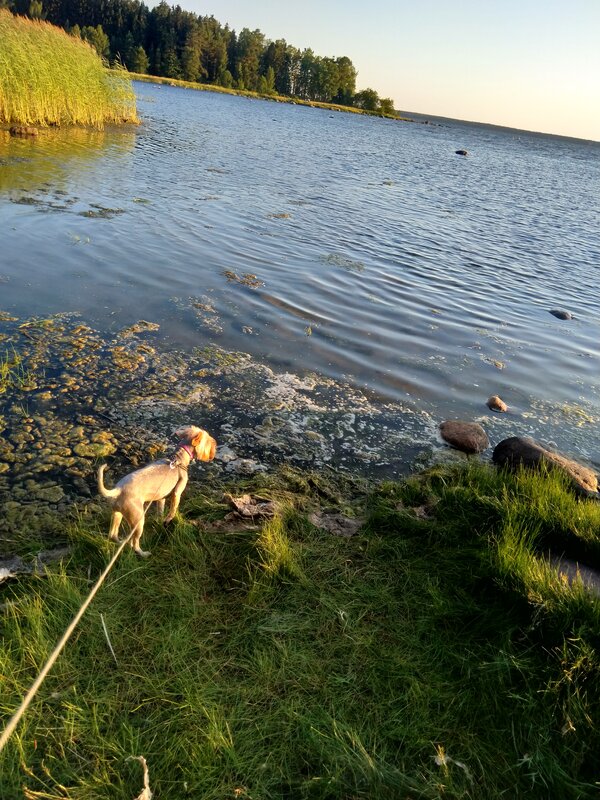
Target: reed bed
(48,77)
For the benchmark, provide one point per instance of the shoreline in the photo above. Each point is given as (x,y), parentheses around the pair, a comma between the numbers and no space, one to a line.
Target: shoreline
(274,98)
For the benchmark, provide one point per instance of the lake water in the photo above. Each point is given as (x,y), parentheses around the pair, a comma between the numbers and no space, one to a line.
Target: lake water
(362,250)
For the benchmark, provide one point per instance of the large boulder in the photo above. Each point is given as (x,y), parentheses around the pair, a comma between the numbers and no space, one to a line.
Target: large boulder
(466,436)
(521,451)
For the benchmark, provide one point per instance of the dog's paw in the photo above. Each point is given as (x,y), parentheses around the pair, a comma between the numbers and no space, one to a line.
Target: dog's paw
(142,553)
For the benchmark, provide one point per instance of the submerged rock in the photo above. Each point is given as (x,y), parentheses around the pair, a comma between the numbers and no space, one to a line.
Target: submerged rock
(560,314)
(518,451)
(50,494)
(23,130)
(469,437)
(461,152)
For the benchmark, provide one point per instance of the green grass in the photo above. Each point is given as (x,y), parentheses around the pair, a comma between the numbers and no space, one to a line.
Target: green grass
(435,657)
(50,78)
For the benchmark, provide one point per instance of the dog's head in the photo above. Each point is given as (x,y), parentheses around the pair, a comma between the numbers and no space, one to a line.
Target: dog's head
(204,445)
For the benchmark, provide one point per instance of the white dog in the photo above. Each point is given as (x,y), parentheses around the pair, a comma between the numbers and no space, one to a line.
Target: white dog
(155,482)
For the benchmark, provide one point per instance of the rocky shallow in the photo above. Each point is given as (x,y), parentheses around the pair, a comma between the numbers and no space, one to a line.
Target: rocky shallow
(71,399)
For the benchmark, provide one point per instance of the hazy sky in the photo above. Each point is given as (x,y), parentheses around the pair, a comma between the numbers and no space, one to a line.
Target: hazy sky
(532,64)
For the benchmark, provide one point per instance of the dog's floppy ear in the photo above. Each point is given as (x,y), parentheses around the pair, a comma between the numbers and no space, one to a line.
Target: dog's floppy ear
(205,445)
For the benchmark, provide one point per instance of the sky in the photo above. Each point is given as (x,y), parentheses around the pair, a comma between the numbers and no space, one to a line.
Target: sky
(530,64)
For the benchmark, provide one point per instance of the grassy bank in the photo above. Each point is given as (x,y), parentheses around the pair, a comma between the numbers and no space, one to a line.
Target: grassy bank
(433,654)
(276,98)
(50,78)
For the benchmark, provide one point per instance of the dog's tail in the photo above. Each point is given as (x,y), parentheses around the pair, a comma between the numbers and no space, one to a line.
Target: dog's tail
(102,488)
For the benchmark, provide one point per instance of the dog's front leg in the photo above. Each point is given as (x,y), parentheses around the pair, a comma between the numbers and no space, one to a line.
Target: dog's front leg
(174,499)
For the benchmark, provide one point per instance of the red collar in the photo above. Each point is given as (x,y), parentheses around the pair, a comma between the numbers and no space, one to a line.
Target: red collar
(188,449)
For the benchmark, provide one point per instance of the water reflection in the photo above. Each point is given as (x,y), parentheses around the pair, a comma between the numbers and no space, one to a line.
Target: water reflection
(55,157)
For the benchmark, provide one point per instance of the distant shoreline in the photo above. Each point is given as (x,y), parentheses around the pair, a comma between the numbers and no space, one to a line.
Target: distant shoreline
(276,98)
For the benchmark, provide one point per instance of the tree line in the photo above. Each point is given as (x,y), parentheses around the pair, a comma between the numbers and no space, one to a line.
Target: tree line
(173,43)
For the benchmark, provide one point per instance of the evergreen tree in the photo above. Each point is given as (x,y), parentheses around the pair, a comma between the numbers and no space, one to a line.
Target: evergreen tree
(170,66)
(270,80)
(190,57)
(225,79)
(139,61)
(97,38)
(250,45)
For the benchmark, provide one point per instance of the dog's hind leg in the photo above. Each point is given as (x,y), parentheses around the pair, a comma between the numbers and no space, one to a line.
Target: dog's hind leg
(136,520)
(161,507)
(114,526)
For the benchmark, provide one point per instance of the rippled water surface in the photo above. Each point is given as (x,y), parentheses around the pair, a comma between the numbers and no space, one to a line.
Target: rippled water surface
(362,249)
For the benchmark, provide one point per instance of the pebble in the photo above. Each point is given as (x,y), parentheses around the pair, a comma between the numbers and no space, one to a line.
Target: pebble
(496,403)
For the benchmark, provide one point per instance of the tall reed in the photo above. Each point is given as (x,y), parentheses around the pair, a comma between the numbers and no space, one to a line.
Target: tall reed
(48,77)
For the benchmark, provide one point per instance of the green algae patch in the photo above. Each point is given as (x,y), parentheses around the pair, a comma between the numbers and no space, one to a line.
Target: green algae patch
(94,449)
(75,398)
(48,77)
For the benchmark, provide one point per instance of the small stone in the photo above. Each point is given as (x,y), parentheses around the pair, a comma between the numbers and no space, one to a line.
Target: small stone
(469,437)
(461,152)
(559,314)
(245,466)
(337,524)
(496,403)
(226,454)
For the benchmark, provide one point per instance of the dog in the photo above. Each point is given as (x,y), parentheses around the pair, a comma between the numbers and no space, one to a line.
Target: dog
(155,482)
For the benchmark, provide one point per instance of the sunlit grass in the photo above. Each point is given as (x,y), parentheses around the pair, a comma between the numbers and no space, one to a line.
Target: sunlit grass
(50,78)
(436,654)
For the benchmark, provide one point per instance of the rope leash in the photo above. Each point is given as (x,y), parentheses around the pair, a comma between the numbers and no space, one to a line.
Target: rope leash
(14,721)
